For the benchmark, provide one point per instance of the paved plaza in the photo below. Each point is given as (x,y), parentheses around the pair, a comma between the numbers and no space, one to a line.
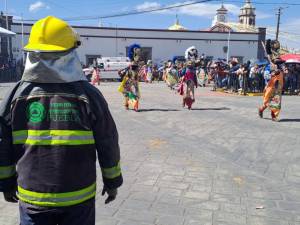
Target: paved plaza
(218,164)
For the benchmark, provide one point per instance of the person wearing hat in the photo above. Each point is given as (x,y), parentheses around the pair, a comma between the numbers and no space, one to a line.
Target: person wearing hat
(53,127)
(129,86)
(189,78)
(172,76)
(273,94)
(149,71)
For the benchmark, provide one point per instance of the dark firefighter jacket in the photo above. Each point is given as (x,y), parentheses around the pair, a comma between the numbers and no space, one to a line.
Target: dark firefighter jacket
(50,137)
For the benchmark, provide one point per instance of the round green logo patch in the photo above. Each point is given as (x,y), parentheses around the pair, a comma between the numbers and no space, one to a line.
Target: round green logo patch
(36,112)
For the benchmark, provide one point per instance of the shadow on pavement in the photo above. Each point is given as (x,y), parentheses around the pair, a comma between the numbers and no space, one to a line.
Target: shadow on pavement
(217,109)
(158,110)
(289,120)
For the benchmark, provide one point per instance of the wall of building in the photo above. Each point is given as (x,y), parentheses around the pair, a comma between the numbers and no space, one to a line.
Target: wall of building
(165,44)
(5,51)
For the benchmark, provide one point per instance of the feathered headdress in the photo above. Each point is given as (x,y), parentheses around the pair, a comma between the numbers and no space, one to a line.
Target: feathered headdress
(191,53)
(131,51)
(178,59)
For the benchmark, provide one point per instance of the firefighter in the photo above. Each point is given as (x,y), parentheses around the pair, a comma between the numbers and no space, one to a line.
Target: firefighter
(53,127)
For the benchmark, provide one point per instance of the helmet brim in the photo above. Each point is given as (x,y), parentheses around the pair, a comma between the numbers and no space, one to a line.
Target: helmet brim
(44,48)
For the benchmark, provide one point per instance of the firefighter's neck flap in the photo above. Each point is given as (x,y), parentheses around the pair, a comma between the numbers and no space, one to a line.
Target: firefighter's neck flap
(51,56)
(54,67)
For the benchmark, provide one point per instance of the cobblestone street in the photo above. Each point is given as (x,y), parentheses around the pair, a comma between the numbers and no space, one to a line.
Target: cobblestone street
(218,164)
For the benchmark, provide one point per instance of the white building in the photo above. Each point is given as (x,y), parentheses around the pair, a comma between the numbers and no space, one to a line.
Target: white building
(158,45)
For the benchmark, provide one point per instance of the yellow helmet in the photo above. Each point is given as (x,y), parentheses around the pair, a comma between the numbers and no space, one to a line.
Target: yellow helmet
(51,34)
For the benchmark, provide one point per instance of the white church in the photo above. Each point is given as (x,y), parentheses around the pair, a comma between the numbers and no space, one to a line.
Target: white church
(246,22)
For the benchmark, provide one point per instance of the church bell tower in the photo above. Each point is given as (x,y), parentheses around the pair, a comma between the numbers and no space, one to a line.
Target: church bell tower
(221,16)
(247,15)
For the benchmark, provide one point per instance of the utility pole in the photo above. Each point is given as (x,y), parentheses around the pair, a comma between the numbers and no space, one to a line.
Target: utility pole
(278,22)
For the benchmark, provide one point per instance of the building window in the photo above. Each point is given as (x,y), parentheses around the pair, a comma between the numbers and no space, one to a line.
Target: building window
(251,21)
(91,59)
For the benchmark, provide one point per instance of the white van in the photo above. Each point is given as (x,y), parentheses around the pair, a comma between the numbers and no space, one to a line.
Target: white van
(109,66)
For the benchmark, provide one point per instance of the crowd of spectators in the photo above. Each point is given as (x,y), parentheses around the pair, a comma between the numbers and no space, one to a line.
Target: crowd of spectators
(10,70)
(252,78)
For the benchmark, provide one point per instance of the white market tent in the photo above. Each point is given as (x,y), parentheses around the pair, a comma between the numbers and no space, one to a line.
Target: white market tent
(6,33)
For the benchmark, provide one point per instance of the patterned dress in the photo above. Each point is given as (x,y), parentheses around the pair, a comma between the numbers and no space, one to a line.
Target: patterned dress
(171,77)
(130,89)
(272,95)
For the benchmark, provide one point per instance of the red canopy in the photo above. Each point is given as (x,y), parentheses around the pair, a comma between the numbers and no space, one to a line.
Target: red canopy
(291,58)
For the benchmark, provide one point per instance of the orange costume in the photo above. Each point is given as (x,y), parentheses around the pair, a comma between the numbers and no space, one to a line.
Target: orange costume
(272,96)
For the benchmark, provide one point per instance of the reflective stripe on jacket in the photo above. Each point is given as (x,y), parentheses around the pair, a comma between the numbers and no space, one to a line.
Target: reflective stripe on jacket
(56,132)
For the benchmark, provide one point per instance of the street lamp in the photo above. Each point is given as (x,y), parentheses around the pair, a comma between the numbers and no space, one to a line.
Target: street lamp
(228,46)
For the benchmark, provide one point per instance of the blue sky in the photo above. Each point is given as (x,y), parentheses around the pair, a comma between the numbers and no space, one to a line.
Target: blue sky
(194,17)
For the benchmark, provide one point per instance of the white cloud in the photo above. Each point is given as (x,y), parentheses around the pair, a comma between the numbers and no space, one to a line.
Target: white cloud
(38,6)
(292,24)
(207,10)
(147,6)
(201,10)
(261,15)
(289,35)
(16,17)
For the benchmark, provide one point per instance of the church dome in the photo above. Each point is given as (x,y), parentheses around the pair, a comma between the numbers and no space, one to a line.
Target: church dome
(248,5)
(222,9)
(176,26)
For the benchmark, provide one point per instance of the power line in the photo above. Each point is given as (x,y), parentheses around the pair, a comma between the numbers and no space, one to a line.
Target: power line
(156,9)
(265,3)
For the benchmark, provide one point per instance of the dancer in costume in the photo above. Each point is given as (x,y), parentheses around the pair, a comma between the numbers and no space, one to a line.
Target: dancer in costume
(189,79)
(130,84)
(272,95)
(273,90)
(155,73)
(171,76)
(165,70)
(149,72)
(142,73)
(202,75)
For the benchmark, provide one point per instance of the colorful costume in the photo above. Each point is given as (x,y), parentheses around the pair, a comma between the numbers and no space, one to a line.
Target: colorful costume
(273,90)
(189,79)
(171,76)
(202,75)
(164,71)
(272,95)
(130,84)
(130,89)
(149,72)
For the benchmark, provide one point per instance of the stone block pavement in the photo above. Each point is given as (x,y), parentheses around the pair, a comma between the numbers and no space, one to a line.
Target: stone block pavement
(218,164)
